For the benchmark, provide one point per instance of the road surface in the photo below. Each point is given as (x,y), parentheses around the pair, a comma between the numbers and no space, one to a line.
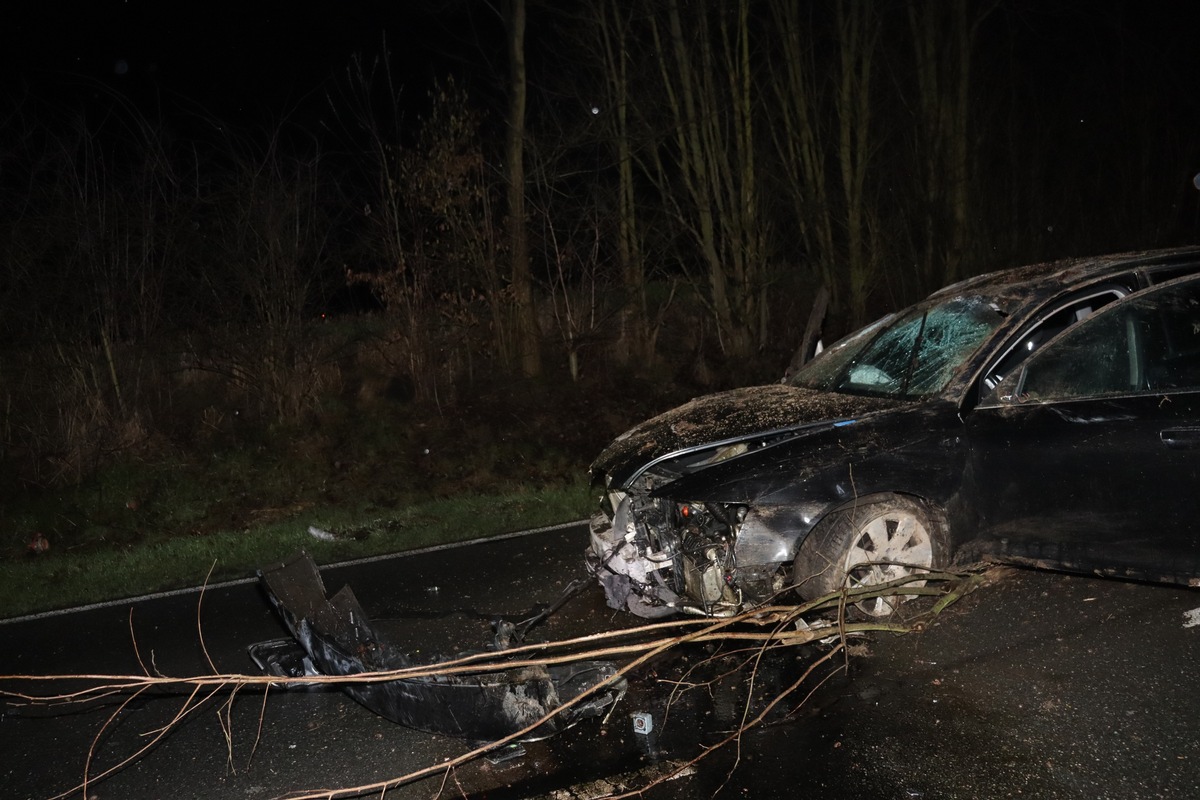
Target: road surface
(1037,685)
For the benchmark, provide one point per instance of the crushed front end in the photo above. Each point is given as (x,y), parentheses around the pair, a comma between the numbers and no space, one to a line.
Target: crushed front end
(700,511)
(656,556)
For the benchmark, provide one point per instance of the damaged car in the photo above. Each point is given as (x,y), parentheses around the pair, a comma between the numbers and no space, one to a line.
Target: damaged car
(1046,415)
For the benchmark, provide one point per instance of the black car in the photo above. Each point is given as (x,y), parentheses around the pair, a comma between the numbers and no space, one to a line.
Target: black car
(1047,415)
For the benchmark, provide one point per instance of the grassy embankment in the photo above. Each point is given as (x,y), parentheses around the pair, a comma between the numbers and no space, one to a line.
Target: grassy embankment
(58,580)
(387,481)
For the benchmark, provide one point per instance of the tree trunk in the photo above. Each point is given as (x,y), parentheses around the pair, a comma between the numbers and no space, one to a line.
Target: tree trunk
(858,25)
(635,341)
(943,40)
(521,274)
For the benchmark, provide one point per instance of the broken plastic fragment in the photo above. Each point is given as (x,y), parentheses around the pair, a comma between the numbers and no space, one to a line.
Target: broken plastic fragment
(320,533)
(643,723)
(339,639)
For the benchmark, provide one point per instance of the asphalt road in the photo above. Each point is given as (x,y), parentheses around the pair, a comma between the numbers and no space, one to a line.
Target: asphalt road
(1037,685)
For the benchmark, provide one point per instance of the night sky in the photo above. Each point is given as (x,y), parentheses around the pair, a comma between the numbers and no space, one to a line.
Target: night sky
(1086,59)
(235,60)
(1094,79)
(240,60)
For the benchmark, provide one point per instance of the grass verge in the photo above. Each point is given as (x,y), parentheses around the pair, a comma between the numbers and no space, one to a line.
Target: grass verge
(66,579)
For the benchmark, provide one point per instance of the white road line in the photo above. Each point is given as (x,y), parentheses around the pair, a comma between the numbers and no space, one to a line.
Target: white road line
(241,581)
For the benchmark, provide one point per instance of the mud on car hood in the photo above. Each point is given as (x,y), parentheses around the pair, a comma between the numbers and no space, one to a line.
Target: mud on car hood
(717,418)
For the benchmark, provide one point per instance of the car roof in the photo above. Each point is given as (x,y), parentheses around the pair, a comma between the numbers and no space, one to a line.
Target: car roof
(1021,291)
(1049,277)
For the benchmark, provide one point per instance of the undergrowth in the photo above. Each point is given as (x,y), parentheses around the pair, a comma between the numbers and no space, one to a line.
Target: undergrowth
(328,533)
(382,477)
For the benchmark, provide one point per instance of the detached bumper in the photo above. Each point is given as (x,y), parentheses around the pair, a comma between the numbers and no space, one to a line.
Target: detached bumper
(338,639)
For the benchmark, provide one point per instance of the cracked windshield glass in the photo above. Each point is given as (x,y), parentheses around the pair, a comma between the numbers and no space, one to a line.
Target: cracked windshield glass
(915,355)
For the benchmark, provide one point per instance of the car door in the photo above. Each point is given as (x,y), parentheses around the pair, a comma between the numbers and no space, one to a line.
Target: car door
(1088,457)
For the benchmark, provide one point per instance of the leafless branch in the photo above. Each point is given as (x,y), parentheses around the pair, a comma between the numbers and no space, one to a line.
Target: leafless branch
(765,628)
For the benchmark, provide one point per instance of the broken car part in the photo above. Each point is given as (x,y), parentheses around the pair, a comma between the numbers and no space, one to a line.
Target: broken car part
(337,638)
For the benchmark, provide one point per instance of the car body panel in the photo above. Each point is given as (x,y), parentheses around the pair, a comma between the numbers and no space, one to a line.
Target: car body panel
(1067,484)
(756,412)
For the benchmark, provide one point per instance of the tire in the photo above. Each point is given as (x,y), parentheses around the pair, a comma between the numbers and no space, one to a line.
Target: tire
(899,535)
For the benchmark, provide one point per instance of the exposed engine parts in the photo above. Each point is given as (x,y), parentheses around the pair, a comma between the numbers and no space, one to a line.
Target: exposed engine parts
(657,557)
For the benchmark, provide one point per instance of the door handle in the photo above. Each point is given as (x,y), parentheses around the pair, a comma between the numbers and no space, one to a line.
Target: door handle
(1180,438)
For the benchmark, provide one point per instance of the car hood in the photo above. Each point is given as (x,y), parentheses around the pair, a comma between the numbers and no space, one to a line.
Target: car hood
(728,416)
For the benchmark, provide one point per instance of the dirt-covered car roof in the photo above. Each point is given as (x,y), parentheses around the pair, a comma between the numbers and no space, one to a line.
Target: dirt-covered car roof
(1050,276)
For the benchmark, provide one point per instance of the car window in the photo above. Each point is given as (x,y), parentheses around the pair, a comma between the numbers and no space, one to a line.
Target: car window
(830,363)
(1066,314)
(919,353)
(1149,343)
(1171,349)
(1157,275)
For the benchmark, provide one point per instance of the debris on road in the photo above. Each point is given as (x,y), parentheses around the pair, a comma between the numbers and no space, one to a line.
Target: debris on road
(320,534)
(338,639)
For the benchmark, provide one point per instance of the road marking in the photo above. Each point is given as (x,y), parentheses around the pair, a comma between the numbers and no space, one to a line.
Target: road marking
(1191,618)
(242,581)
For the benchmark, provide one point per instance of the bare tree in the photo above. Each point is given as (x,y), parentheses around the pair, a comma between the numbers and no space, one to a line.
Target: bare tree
(275,235)
(521,272)
(825,141)
(858,28)
(431,246)
(801,144)
(943,37)
(614,30)
(707,171)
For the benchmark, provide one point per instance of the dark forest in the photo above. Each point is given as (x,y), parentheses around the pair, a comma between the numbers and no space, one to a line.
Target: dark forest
(585,192)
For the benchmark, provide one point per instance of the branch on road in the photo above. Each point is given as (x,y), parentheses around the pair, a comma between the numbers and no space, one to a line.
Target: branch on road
(765,628)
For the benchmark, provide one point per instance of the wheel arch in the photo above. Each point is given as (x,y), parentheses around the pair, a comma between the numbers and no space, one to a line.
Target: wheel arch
(937,513)
(774,534)
(813,553)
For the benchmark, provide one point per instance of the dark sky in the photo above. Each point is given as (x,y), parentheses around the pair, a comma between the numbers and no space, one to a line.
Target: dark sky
(236,59)
(235,53)
(1084,64)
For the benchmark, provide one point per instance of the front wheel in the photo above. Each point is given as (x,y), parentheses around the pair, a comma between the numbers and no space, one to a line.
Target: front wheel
(869,545)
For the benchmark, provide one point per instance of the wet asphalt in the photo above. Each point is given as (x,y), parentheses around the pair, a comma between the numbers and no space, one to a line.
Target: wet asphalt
(1037,685)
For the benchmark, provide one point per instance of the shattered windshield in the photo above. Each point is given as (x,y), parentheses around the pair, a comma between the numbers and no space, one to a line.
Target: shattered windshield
(911,355)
